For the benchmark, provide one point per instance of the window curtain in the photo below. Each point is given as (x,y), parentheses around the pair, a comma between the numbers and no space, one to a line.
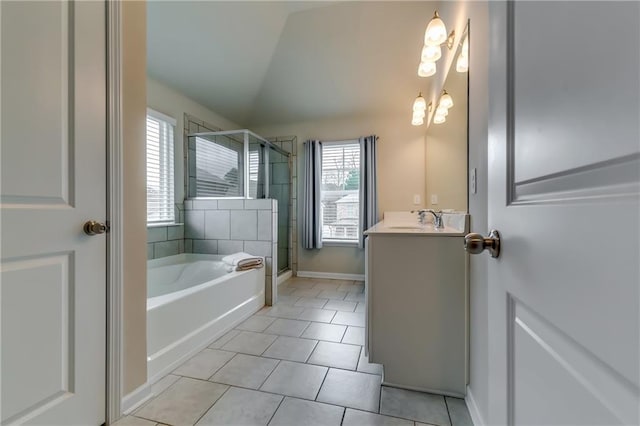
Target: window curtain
(368,186)
(311,206)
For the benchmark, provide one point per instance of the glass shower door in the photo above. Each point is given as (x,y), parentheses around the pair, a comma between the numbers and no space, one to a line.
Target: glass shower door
(280,190)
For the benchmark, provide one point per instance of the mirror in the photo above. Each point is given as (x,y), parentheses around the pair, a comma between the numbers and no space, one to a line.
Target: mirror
(447,142)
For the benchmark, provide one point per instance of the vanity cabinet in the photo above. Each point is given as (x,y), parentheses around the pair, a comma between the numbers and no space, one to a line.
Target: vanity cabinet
(417,307)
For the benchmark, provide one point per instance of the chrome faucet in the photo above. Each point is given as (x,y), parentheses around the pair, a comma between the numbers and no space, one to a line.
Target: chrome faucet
(437,217)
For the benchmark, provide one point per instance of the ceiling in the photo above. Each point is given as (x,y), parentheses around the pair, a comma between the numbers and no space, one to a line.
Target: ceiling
(282,62)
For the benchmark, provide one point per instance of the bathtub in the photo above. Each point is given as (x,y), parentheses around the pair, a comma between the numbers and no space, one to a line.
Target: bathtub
(192,300)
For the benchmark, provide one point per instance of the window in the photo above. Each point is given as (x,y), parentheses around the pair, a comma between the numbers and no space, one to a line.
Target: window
(160,195)
(340,191)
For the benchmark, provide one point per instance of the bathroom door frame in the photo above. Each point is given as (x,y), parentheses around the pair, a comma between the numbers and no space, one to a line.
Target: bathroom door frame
(115,216)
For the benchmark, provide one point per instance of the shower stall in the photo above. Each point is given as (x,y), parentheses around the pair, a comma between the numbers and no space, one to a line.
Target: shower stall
(239,164)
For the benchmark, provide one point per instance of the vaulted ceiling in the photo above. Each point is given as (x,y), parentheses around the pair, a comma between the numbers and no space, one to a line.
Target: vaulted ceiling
(282,62)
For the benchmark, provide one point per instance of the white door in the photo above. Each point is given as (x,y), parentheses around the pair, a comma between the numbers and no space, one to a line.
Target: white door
(563,192)
(53,179)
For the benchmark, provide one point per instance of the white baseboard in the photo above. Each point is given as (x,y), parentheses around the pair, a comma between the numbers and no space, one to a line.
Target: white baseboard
(476,416)
(330,275)
(283,277)
(136,398)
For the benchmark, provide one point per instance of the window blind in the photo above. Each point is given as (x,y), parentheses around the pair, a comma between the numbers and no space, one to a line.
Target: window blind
(160,182)
(340,191)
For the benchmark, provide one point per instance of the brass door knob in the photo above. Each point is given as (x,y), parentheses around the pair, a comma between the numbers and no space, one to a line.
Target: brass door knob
(92,227)
(476,243)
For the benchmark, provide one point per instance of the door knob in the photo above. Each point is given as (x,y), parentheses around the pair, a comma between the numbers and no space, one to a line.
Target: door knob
(92,227)
(476,243)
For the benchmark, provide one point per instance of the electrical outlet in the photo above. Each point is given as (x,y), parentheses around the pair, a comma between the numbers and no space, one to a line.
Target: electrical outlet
(434,198)
(416,200)
(474,182)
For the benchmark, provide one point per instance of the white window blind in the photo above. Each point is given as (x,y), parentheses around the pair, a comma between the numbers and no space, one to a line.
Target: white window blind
(160,191)
(340,191)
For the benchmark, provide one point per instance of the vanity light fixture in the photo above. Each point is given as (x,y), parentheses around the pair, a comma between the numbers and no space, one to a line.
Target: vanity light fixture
(462,64)
(426,69)
(431,53)
(439,119)
(419,104)
(446,100)
(442,111)
(417,121)
(436,32)
(434,36)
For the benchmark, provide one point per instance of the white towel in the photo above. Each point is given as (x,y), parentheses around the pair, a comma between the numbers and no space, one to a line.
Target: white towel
(234,258)
(243,261)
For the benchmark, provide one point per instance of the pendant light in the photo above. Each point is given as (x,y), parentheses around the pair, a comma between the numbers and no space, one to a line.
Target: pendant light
(436,32)
(439,119)
(442,111)
(417,121)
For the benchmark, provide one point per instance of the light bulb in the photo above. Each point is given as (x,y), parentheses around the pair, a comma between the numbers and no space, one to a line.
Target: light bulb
(419,103)
(426,69)
(431,53)
(436,32)
(442,111)
(417,121)
(462,64)
(439,119)
(446,100)
(419,114)
(465,48)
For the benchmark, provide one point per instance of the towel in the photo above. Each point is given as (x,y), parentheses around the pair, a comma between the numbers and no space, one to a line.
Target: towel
(243,261)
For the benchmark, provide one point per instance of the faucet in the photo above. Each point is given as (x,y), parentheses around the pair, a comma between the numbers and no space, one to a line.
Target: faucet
(437,217)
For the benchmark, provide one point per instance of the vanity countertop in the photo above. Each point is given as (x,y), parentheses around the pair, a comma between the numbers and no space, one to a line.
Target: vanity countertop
(455,225)
(424,230)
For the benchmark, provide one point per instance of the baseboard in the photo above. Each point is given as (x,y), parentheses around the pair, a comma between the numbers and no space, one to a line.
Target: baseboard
(283,277)
(476,416)
(422,389)
(136,398)
(330,275)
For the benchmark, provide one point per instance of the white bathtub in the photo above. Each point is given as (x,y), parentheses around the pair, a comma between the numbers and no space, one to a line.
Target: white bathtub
(192,300)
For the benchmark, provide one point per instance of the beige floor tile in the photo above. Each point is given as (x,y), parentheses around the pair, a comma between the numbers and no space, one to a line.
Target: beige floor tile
(291,349)
(365,366)
(340,305)
(418,406)
(318,315)
(256,323)
(327,332)
(354,336)
(349,318)
(246,371)
(361,418)
(297,412)
(224,339)
(295,379)
(351,389)
(242,407)
(251,343)
(311,302)
(287,327)
(336,355)
(332,294)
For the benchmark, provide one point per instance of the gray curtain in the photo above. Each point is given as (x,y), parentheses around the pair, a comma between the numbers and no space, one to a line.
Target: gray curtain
(311,217)
(368,186)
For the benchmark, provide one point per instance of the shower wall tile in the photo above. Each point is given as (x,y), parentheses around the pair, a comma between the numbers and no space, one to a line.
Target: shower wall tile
(231,204)
(166,248)
(265,225)
(194,224)
(205,246)
(244,225)
(155,234)
(229,246)
(262,204)
(165,240)
(217,224)
(205,204)
(258,248)
(188,246)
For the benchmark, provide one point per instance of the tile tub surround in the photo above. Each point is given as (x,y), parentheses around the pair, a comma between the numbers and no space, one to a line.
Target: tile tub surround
(166,240)
(257,375)
(227,226)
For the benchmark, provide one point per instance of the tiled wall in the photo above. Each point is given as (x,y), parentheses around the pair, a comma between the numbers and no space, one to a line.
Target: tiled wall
(166,240)
(229,226)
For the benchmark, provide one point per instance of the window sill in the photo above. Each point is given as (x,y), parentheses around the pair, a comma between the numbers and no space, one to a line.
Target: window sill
(333,243)
(160,225)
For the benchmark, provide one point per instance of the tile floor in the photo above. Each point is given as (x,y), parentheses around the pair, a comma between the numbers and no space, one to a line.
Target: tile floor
(299,363)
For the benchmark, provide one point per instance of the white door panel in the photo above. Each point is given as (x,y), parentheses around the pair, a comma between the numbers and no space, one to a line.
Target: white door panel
(564,180)
(53,179)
